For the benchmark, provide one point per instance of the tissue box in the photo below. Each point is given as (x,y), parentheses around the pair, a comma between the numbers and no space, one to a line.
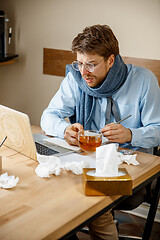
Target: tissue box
(98,186)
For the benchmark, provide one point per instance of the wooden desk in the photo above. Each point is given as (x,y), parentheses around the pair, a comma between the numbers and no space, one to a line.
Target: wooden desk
(50,208)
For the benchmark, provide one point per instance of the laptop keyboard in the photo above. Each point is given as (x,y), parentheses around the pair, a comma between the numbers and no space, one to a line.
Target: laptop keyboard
(43,150)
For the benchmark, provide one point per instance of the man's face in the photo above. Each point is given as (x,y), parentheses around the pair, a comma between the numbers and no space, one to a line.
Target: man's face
(101,69)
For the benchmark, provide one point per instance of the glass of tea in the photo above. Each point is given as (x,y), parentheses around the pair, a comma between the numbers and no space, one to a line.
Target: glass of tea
(89,140)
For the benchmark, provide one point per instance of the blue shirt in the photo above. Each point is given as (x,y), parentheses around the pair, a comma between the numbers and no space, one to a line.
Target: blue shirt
(138,96)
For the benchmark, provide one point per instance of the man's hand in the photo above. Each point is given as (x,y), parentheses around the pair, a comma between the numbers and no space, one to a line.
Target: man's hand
(117,133)
(71,133)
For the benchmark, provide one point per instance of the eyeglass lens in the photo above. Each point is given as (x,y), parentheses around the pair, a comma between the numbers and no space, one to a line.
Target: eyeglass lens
(78,66)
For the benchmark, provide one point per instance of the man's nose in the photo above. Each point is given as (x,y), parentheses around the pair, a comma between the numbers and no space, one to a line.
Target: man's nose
(84,71)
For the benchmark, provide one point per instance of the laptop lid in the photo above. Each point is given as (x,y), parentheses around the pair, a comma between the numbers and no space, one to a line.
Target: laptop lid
(16,126)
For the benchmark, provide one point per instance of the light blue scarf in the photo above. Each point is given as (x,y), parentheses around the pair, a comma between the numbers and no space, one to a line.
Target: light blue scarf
(112,83)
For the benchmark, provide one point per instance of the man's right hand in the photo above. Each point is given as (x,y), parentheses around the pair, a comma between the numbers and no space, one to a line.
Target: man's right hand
(71,133)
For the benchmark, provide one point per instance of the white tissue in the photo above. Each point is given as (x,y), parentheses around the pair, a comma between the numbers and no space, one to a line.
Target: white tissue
(129,159)
(48,165)
(107,161)
(8,181)
(76,167)
(53,165)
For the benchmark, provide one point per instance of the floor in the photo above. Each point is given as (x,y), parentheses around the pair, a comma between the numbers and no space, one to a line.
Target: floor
(130,225)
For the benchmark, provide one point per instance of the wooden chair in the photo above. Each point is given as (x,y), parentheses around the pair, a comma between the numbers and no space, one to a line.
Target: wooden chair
(54,63)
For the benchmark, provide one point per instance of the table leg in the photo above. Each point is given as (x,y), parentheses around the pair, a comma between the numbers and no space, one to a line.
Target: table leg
(152,212)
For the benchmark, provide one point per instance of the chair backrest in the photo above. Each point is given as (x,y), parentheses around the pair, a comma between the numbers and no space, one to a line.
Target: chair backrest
(55,61)
(151,64)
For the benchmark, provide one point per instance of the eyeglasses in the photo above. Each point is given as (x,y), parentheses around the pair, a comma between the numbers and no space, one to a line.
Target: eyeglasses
(90,67)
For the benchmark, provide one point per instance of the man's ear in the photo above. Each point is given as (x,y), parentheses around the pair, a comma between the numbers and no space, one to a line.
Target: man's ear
(111,60)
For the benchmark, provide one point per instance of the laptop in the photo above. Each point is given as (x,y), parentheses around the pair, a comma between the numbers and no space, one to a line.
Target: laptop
(16,126)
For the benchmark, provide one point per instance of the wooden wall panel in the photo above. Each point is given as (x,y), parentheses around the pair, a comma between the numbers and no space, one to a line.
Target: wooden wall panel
(55,61)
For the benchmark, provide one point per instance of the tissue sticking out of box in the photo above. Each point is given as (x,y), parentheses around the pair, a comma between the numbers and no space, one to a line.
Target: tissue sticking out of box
(106,178)
(107,161)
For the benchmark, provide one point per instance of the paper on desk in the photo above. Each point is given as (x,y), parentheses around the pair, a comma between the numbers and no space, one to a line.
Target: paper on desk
(75,162)
(8,181)
(62,143)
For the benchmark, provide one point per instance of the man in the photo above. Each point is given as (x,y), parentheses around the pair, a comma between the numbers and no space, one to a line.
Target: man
(100,89)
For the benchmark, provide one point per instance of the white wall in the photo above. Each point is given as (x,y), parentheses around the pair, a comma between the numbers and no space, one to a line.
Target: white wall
(42,24)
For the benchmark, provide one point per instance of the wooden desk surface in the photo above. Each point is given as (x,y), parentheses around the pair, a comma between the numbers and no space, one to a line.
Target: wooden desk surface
(40,208)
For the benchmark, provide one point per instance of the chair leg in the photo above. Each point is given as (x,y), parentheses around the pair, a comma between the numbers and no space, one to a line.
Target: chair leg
(129,238)
(85,230)
(151,215)
(73,237)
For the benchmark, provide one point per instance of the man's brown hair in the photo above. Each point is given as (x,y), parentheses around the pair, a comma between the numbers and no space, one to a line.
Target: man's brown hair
(97,39)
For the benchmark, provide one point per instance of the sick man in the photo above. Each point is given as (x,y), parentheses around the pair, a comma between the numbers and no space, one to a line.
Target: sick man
(100,89)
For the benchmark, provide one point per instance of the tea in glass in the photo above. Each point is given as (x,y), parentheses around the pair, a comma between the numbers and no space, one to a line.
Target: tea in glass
(89,140)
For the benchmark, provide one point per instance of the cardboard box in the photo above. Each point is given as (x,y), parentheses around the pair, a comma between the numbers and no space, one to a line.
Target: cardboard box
(98,186)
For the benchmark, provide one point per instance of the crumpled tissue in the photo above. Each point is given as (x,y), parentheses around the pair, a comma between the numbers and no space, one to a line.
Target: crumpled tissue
(129,159)
(8,181)
(47,165)
(107,160)
(76,167)
(52,165)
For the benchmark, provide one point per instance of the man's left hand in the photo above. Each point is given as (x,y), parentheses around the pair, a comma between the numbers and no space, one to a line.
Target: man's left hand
(117,133)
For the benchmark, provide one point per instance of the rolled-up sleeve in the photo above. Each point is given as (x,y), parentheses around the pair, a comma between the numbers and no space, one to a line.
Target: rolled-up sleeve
(60,107)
